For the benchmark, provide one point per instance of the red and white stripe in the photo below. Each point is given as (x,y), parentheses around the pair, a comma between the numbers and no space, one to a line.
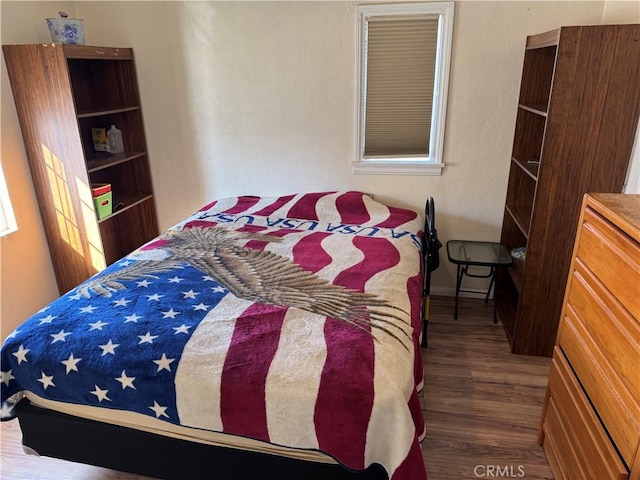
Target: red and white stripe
(302,380)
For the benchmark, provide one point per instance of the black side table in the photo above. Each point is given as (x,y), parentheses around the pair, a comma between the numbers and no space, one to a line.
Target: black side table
(468,253)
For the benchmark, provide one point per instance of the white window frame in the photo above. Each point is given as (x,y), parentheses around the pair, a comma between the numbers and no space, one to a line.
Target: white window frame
(431,164)
(7,218)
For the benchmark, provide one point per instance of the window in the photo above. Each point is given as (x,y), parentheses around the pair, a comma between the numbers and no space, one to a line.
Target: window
(7,220)
(404,54)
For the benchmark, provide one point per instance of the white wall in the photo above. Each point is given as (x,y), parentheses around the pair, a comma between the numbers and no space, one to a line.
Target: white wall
(621,11)
(263,102)
(259,98)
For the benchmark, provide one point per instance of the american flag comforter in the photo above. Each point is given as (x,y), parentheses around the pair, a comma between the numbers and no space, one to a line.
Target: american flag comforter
(292,320)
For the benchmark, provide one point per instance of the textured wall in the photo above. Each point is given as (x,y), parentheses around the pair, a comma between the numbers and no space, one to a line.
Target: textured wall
(259,98)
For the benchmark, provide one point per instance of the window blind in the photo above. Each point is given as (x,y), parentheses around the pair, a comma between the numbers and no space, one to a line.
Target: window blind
(400,72)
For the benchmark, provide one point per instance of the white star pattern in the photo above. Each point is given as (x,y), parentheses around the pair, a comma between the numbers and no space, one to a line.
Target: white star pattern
(71,363)
(77,296)
(181,329)
(126,381)
(101,394)
(164,363)
(46,381)
(6,377)
(60,336)
(21,354)
(6,410)
(132,318)
(13,334)
(170,314)
(141,314)
(97,325)
(207,278)
(109,347)
(146,338)
(125,263)
(44,309)
(218,289)
(48,319)
(159,410)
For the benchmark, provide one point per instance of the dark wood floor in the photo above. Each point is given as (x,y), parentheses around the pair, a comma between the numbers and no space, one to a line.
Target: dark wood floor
(481,404)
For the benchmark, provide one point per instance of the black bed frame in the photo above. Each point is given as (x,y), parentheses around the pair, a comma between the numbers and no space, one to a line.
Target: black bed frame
(58,435)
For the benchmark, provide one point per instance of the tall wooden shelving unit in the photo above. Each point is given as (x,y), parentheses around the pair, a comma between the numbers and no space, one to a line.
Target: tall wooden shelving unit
(575,126)
(62,92)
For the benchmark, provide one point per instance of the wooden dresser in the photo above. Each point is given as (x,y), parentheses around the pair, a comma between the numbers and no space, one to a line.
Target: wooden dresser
(590,425)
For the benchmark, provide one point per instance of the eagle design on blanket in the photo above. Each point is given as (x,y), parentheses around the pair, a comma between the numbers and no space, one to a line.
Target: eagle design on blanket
(256,275)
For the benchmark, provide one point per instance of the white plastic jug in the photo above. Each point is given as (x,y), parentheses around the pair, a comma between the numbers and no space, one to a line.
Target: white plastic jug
(116,145)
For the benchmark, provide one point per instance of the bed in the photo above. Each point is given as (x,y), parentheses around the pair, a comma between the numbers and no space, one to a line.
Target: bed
(258,338)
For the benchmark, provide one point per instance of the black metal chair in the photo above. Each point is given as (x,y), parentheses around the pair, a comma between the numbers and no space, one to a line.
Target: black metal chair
(431,261)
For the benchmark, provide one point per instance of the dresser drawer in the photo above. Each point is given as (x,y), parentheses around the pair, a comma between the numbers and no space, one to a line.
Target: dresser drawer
(617,408)
(613,257)
(580,446)
(612,328)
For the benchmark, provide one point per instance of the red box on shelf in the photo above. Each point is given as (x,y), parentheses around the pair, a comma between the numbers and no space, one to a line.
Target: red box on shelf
(98,189)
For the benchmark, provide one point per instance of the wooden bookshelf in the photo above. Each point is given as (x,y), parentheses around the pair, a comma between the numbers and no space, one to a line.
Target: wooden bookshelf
(62,92)
(576,121)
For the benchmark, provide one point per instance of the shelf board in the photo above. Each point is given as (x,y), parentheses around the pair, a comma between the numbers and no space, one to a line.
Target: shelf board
(537,109)
(530,169)
(109,111)
(521,216)
(542,40)
(107,160)
(129,202)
